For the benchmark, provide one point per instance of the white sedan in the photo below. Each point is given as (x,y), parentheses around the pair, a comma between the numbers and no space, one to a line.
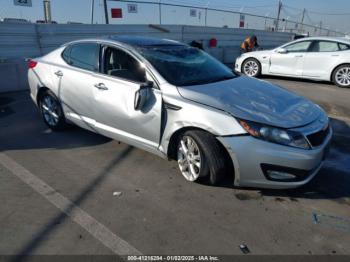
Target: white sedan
(317,58)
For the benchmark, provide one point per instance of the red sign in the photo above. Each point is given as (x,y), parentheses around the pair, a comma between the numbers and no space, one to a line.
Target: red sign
(117,13)
(241,20)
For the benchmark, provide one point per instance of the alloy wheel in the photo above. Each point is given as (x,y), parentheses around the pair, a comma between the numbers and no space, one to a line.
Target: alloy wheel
(189,158)
(342,76)
(50,110)
(251,68)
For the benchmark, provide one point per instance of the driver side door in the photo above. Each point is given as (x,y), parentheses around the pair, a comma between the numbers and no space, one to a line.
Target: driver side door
(291,62)
(120,77)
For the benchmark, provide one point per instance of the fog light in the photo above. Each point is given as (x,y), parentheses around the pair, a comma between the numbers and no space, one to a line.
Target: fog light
(284,174)
(277,175)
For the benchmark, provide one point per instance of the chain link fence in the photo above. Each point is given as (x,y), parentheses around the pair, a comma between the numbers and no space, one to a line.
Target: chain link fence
(180,13)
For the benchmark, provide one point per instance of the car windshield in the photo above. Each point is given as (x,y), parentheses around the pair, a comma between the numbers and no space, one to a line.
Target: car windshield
(185,66)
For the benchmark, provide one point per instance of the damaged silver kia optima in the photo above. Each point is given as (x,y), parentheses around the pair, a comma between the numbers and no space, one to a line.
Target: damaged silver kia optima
(180,103)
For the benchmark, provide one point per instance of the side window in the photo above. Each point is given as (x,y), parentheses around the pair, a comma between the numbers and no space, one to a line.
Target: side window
(84,55)
(66,54)
(343,47)
(117,63)
(325,46)
(298,47)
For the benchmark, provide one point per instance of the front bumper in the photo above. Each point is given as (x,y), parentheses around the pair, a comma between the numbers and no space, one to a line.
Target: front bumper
(238,64)
(249,154)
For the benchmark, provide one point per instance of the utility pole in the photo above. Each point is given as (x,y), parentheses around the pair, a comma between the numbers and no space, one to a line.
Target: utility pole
(160,12)
(106,11)
(278,14)
(47,11)
(302,20)
(92,11)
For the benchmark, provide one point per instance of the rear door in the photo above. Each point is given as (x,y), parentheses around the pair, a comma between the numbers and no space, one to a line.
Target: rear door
(114,92)
(74,82)
(290,63)
(321,59)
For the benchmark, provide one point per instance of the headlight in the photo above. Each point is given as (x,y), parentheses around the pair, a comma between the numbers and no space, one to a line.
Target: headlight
(275,135)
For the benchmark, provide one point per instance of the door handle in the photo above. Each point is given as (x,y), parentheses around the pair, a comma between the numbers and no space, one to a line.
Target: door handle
(335,55)
(59,73)
(299,56)
(101,86)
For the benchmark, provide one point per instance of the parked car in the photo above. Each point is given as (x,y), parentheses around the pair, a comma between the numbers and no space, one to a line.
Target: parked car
(317,58)
(178,102)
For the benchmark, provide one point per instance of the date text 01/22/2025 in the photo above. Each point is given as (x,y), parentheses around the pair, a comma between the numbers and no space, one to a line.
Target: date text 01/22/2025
(173,258)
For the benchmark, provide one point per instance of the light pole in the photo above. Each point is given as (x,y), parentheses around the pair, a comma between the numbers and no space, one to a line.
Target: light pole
(92,11)
(106,11)
(47,11)
(266,15)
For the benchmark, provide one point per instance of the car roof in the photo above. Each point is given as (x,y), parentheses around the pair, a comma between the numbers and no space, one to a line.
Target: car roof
(131,41)
(143,41)
(327,38)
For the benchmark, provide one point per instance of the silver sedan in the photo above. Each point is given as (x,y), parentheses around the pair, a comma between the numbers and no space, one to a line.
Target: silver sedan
(180,103)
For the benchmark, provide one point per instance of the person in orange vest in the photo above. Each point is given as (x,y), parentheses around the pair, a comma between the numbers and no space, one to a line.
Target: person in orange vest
(249,44)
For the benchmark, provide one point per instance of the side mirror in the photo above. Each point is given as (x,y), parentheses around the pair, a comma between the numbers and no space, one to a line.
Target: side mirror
(281,51)
(141,95)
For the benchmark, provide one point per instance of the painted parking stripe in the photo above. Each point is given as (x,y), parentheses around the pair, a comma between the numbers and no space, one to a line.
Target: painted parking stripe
(79,216)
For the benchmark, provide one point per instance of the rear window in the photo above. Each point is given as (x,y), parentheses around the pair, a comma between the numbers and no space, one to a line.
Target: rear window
(328,46)
(83,55)
(344,47)
(325,46)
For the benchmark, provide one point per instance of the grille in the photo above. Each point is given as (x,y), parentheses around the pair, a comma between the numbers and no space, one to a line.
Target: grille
(317,139)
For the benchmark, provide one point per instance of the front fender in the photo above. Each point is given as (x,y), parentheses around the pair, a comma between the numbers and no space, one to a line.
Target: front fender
(190,114)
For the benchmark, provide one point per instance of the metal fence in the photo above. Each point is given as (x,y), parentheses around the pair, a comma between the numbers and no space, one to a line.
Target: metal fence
(178,12)
(31,40)
(19,41)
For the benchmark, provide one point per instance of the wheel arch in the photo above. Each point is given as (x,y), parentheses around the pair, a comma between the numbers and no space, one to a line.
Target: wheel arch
(251,57)
(172,147)
(335,68)
(41,91)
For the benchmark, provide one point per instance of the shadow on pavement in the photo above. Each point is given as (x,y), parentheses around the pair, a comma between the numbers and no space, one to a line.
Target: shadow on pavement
(60,218)
(21,128)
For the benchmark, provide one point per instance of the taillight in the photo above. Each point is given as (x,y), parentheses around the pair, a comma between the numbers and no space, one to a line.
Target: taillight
(32,64)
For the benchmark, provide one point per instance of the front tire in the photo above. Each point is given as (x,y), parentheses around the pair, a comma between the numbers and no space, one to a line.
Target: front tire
(200,157)
(251,67)
(51,111)
(341,76)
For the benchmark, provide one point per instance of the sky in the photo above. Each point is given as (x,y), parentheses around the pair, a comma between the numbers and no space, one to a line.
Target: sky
(79,10)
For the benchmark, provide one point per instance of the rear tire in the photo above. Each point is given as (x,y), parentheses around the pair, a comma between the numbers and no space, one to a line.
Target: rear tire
(251,67)
(211,157)
(341,76)
(51,111)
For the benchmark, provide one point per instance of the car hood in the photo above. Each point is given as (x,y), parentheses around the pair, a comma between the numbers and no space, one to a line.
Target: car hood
(258,53)
(255,100)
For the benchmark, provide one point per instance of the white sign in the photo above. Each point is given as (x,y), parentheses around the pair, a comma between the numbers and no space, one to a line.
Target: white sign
(23,2)
(132,8)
